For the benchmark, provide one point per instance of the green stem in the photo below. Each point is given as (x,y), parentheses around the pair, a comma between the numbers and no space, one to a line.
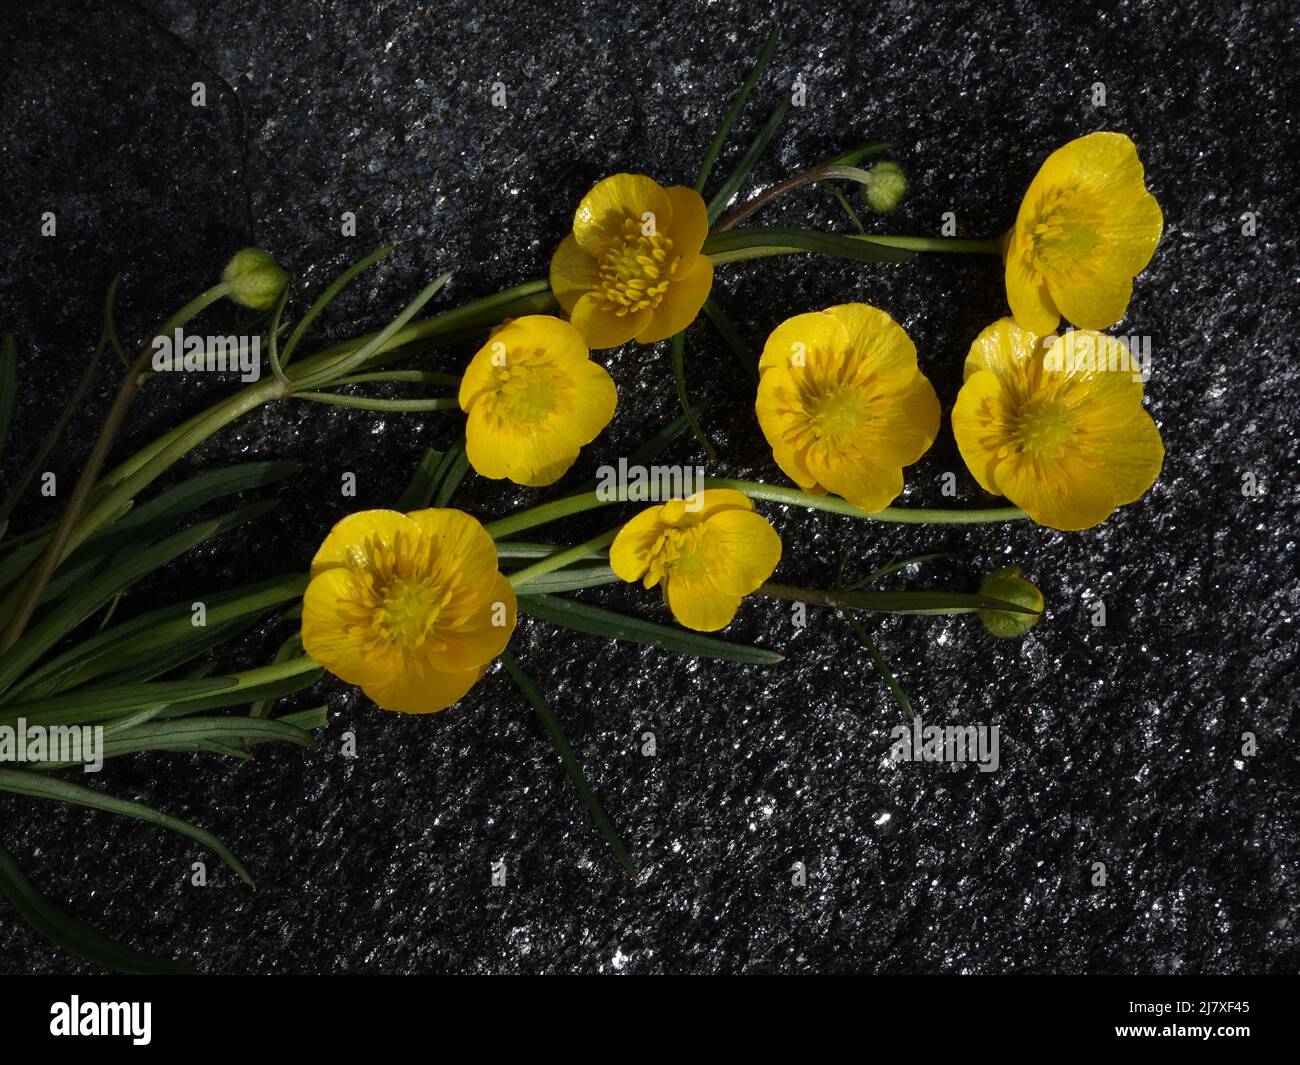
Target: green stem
(944,245)
(373,403)
(929,244)
(835,505)
(28,593)
(416,377)
(792,594)
(191,434)
(531,298)
(562,558)
(570,505)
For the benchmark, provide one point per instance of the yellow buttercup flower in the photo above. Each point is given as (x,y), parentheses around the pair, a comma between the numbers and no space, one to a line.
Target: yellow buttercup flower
(632,266)
(843,404)
(1057,427)
(707,551)
(411,607)
(534,398)
(1086,227)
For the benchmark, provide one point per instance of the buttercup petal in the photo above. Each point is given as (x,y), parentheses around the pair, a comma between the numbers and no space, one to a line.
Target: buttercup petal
(743,550)
(1133,458)
(418,688)
(690,225)
(463,552)
(603,328)
(476,638)
(1004,347)
(328,628)
(1095,303)
(346,542)
(602,212)
(861,482)
(680,305)
(629,554)
(1068,494)
(789,344)
(697,603)
(1032,303)
(574,272)
(982,421)
(879,342)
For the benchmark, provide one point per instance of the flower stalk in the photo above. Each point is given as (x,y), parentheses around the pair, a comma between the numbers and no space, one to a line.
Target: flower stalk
(577,504)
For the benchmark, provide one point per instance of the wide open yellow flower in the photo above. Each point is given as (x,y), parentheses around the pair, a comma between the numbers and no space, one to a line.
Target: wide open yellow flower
(1058,427)
(708,552)
(1086,227)
(843,404)
(411,607)
(534,398)
(632,266)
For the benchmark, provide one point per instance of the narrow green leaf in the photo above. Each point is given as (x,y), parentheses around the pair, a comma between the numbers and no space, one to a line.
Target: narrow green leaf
(747,161)
(854,156)
(147,665)
(52,437)
(882,667)
(270,691)
(43,635)
(679,377)
(572,579)
(419,489)
(199,733)
(307,720)
(94,703)
(358,358)
(159,514)
(736,245)
(110,323)
(596,621)
(69,934)
(139,645)
(389,406)
(843,201)
(273,338)
(655,445)
(40,786)
(290,647)
(457,467)
(894,567)
(326,298)
(561,744)
(727,330)
(737,105)
(925,602)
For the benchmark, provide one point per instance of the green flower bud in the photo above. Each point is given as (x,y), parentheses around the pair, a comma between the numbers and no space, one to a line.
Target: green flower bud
(255,279)
(884,187)
(1007,584)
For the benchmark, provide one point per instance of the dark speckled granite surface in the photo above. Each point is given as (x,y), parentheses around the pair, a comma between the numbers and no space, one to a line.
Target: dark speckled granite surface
(1120,744)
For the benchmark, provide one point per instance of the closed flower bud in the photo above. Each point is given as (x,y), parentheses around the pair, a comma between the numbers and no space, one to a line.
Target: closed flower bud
(884,188)
(1007,584)
(255,279)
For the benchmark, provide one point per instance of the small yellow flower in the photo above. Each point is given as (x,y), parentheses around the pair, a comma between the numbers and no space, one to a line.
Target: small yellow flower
(632,266)
(1057,427)
(1086,227)
(708,551)
(534,398)
(843,404)
(411,607)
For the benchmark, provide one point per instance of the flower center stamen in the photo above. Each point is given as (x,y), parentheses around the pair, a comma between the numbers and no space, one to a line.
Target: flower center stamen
(1045,427)
(635,269)
(398,601)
